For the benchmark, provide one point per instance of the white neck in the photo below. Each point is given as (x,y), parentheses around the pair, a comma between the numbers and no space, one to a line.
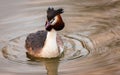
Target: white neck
(50,49)
(51,35)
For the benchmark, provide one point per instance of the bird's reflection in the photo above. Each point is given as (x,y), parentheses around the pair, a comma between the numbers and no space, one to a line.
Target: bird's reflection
(50,64)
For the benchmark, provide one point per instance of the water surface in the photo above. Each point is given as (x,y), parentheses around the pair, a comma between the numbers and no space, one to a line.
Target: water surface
(91,37)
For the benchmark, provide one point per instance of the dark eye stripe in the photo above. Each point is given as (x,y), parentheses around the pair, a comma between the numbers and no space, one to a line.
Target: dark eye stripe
(52,20)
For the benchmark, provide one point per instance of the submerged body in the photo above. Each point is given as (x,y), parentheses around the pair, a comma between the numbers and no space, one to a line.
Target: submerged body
(47,43)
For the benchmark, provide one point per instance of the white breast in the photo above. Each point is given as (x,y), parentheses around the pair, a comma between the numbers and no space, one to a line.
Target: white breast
(51,48)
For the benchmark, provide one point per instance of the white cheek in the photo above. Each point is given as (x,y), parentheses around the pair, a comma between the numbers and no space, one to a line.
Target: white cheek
(54,22)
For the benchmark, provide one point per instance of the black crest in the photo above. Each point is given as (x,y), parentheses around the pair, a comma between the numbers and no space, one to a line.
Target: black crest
(51,13)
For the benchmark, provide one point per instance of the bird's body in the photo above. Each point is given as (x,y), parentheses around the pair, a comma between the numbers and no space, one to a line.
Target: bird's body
(46,43)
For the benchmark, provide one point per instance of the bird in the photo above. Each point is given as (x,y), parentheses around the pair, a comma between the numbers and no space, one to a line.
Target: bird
(47,43)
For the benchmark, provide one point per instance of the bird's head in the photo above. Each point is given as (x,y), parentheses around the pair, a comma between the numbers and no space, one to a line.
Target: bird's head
(54,19)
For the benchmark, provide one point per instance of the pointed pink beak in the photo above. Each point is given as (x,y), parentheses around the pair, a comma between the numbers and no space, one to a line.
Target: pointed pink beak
(47,24)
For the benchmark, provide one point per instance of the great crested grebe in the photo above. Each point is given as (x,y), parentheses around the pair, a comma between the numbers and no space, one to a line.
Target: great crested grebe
(47,43)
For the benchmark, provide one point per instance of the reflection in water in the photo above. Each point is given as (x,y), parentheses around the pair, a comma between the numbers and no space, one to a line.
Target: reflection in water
(92,35)
(51,64)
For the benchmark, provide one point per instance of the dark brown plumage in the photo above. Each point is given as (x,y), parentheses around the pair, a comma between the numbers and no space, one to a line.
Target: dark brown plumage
(59,25)
(36,40)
